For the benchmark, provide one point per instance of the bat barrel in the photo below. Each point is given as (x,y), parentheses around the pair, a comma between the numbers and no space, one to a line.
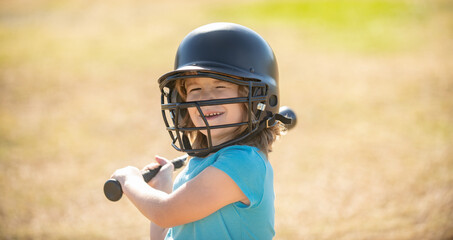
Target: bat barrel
(289,113)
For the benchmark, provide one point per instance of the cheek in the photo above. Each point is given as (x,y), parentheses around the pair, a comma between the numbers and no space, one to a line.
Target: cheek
(192,113)
(238,113)
(191,110)
(245,115)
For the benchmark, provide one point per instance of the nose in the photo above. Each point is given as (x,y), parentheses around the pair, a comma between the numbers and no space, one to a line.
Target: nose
(207,95)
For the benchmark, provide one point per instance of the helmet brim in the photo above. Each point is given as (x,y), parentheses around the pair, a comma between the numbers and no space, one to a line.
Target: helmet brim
(213,68)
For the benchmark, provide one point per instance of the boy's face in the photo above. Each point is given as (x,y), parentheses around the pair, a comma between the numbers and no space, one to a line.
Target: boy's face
(200,89)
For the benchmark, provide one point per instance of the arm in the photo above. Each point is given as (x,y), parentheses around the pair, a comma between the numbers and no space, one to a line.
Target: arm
(156,232)
(209,191)
(162,181)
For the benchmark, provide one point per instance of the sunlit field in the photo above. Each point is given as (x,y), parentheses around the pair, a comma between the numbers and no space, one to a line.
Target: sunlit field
(371,81)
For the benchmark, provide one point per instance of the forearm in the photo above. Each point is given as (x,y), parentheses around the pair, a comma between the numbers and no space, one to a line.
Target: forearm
(149,201)
(156,232)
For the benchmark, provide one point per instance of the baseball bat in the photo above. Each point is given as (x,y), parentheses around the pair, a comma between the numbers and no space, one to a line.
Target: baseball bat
(114,192)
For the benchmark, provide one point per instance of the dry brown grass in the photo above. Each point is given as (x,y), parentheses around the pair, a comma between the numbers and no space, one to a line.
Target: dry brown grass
(371,157)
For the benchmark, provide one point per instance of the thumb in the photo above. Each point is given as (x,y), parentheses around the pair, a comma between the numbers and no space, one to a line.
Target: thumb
(165,163)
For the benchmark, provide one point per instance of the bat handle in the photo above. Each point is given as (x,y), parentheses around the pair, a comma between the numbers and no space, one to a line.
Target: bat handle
(113,190)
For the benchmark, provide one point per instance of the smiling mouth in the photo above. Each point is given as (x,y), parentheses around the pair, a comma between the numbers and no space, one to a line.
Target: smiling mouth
(213,115)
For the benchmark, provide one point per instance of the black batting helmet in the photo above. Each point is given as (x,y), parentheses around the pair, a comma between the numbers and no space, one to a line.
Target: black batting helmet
(227,52)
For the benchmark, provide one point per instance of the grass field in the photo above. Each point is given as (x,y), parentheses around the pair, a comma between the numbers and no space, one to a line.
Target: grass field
(371,81)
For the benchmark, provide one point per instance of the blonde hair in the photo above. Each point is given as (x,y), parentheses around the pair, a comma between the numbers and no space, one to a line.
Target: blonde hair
(262,140)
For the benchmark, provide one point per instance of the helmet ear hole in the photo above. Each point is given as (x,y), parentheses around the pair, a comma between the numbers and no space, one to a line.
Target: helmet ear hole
(273,101)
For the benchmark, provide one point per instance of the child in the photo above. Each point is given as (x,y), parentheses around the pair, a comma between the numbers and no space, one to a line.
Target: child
(220,105)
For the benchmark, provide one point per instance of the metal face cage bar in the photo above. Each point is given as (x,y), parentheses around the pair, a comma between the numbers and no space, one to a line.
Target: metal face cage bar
(174,111)
(173,114)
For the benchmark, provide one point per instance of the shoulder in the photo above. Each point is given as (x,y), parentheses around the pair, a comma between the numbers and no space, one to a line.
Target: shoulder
(241,158)
(242,151)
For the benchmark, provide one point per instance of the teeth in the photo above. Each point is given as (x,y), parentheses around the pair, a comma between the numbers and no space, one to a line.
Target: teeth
(212,114)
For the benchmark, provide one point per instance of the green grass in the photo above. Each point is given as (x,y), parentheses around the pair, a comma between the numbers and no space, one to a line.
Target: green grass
(371,82)
(370,26)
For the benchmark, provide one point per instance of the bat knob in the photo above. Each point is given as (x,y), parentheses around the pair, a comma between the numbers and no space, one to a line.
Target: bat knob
(112,190)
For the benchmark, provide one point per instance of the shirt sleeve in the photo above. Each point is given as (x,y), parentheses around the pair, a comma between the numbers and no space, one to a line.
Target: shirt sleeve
(247,168)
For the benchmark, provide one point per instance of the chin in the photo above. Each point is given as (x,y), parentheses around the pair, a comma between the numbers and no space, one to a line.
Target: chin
(220,136)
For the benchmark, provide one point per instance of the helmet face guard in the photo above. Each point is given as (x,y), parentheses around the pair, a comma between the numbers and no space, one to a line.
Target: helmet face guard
(175,111)
(227,52)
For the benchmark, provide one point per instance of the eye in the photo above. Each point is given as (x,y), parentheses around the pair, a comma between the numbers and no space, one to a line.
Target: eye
(221,86)
(194,89)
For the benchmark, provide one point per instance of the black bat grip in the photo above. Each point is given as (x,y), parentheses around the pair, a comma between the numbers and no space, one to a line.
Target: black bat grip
(149,174)
(113,190)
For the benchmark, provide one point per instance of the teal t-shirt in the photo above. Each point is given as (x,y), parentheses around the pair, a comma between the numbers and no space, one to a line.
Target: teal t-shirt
(253,173)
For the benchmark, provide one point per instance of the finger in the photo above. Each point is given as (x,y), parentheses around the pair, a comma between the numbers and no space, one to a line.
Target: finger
(165,163)
(161,160)
(151,166)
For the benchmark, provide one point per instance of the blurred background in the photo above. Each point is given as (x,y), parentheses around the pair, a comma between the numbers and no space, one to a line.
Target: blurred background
(370,80)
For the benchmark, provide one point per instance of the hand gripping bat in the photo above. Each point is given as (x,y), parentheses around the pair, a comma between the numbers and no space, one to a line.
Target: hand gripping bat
(112,188)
